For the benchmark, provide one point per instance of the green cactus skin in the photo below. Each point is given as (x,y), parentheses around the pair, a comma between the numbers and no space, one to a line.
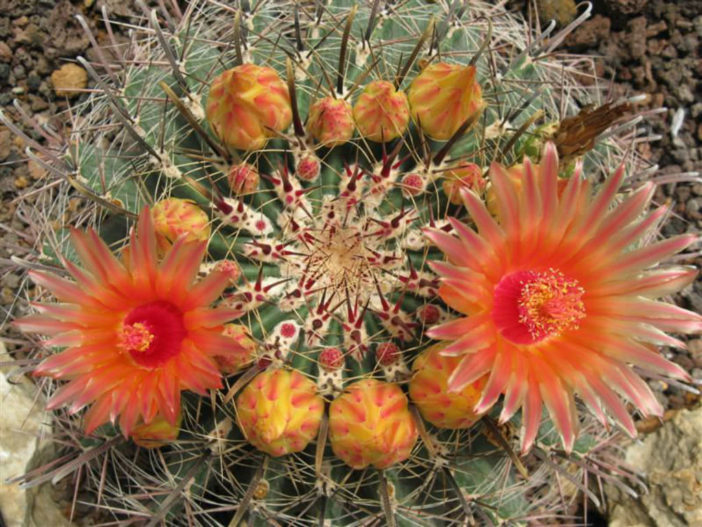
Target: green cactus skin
(138,142)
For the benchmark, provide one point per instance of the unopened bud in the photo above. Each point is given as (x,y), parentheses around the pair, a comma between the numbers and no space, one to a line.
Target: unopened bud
(381,112)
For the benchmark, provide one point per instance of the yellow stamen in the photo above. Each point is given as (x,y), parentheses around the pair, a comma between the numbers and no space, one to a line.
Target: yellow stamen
(135,337)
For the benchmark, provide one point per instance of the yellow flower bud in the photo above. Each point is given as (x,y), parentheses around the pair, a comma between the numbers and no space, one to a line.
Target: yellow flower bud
(243,178)
(175,217)
(331,121)
(241,354)
(370,424)
(381,112)
(463,175)
(246,103)
(157,433)
(280,411)
(429,391)
(442,97)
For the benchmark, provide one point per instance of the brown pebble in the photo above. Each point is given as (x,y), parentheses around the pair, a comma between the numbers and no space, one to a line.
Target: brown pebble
(5,52)
(68,80)
(36,171)
(21,182)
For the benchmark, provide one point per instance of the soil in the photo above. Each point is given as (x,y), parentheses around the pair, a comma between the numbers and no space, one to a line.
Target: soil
(645,46)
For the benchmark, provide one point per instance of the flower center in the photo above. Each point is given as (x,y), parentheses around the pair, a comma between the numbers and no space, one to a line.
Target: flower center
(531,306)
(152,333)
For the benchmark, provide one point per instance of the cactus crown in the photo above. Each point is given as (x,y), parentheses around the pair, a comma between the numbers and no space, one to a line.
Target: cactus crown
(314,202)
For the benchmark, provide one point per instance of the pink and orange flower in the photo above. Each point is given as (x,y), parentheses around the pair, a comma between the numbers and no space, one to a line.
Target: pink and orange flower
(557,302)
(136,333)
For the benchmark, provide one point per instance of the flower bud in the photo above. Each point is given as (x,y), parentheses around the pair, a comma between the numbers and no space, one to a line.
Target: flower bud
(331,121)
(175,217)
(242,352)
(243,178)
(157,433)
(429,391)
(331,359)
(412,184)
(248,104)
(387,353)
(308,168)
(280,411)
(370,424)
(381,112)
(464,175)
(442,97)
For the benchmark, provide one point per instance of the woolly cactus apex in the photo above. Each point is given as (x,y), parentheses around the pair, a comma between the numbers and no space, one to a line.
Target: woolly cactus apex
(175,217)
(429,391)
(381,112)
(247,104)
(280,411)
(331,121)
(444,96)
(370,424)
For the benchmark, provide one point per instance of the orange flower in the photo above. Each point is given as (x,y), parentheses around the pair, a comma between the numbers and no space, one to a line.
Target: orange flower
(136,335)
(557,301)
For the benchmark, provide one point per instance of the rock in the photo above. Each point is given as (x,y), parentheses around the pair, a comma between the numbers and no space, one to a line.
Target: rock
(33,81)
(562,11)
(37,104)
(36,171)
(68,80)
(590,32)
(626,7)
(693,208)
(5,52)
(671,458)
(4,72)
(5,143)
(637,37)
(4,27)
(21,427)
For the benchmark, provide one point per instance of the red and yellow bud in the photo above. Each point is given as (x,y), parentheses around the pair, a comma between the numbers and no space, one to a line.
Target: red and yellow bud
(370,424)
(331,359)
(247,105)
(465,175)
(429,391)
(243,178)
(308,168)
(175,217)
(241,354)
(429,314)
(331,121)
(412,184)
(157,433)
(443,96)
(280,411)
(387,353)
(381,112)
(230,268)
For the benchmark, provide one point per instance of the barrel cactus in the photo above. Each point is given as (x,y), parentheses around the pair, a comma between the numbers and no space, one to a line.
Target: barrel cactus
(317,150)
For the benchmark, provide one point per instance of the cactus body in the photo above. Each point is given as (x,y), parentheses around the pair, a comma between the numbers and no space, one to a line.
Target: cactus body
(318,140)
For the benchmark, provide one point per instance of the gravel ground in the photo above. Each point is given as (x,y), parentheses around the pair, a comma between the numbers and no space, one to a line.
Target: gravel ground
(646,46)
